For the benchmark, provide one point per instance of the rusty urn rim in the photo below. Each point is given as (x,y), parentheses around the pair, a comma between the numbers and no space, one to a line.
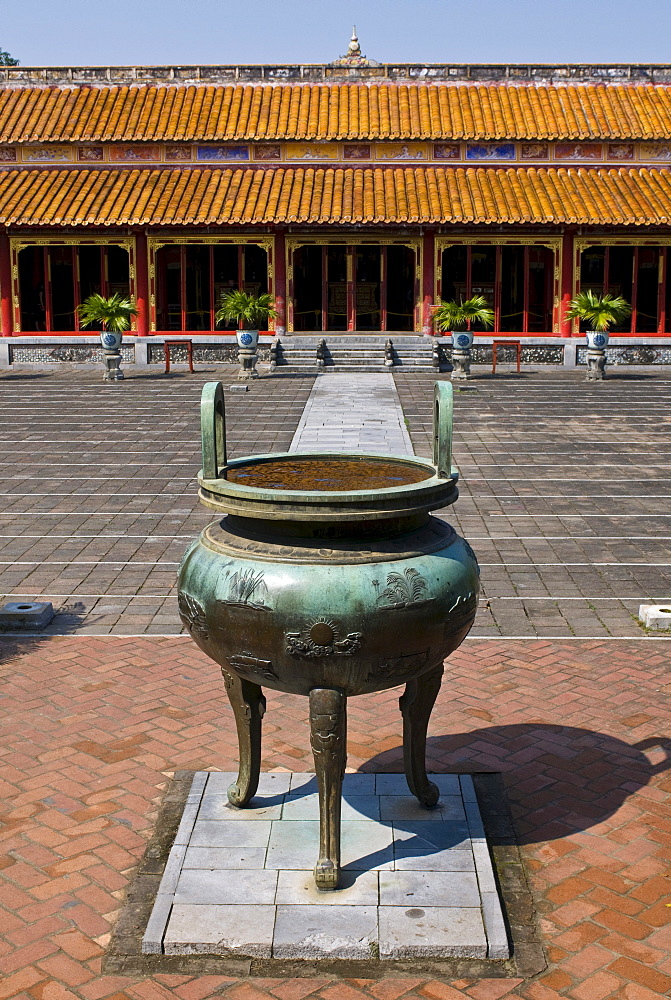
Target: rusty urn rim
(408,485)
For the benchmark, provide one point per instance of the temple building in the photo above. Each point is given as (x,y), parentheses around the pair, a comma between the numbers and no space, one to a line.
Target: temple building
(359,194)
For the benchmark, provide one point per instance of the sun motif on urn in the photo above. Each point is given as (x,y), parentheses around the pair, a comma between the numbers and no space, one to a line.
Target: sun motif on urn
(322,637)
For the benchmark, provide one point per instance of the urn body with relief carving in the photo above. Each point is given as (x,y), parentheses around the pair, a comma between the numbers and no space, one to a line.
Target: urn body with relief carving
(328,571)
(357,613)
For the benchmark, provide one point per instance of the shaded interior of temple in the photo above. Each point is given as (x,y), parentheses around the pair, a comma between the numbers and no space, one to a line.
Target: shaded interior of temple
(192,278)
(365,287)
(54,279)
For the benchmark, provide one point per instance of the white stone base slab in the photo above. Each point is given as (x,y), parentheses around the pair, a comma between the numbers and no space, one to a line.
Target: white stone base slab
(415,882)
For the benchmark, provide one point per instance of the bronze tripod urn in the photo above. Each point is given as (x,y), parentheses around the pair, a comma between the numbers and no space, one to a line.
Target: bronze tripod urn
(328,577)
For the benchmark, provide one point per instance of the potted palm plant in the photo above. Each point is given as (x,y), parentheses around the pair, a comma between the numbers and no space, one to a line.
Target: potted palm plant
(113,313)
(599,312)
(454,318)
(249,311)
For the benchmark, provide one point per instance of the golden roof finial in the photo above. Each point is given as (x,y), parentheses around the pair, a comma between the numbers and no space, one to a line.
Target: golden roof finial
(354,56)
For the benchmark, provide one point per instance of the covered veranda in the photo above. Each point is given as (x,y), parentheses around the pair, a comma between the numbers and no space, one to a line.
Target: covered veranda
(346,250)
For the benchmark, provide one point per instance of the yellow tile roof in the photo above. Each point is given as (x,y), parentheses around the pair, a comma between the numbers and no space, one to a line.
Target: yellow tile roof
(335,111)
(241,196)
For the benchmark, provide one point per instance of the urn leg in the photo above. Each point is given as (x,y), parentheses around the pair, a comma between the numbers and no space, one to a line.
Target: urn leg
(248,706)
(328,736)
(416,704)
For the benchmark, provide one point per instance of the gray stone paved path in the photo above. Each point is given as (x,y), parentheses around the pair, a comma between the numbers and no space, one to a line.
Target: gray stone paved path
(98,482)
(416,882)
(564,495)
(354,412)
(564,487)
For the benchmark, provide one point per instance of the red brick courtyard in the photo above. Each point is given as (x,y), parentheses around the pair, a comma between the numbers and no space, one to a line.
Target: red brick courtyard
(94,727)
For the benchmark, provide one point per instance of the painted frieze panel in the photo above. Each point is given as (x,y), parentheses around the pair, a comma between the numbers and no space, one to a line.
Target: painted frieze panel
(534,151)
(7,154)
(447,151)
(132,154)
(655,151)
(215,153)
(401,151)
(268,151)
(312,151)
(46,154)
(621,150)
(90,154)
(578,151)
(178,154)
(490,151)
(356,151)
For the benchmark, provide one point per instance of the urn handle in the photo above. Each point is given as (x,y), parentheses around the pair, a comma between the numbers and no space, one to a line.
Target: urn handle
(213,429)
(442,429)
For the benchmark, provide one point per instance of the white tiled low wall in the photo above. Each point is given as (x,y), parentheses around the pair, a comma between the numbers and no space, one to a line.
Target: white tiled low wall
(85,350)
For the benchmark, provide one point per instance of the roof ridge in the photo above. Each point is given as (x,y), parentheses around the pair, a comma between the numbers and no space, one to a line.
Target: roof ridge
(419,84)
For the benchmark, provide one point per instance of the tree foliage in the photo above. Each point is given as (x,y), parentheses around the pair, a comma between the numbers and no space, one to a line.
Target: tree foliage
(598,311)
(456,315)
(113,313)
(7,60)
(253,310)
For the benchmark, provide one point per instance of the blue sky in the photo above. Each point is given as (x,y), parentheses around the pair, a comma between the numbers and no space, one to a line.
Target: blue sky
(76,32)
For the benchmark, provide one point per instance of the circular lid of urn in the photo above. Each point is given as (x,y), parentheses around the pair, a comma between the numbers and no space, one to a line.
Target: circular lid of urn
(340,486)
(327,487)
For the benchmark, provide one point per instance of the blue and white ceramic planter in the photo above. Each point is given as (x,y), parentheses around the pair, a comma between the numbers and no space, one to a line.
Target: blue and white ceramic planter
(247,339)
(597,339)
(111,341)
(462,339)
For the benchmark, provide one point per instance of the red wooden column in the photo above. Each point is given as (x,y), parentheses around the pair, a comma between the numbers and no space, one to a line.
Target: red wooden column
(5,287)
(351,288)
(383,289)
(567,264)
(634,291)
(428,278)
(498,273)
(280,283)
(661,289)
(142,284)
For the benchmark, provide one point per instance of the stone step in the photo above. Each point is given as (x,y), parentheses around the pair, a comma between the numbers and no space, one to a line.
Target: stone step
(353,366)
(363,338)
(288,345)
(336,353)
(422,347)
(356,353)
(355,345)
(333,369)
(364,360)
(341,353)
